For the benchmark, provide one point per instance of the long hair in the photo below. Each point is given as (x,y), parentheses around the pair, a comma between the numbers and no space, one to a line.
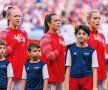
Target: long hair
(48,18)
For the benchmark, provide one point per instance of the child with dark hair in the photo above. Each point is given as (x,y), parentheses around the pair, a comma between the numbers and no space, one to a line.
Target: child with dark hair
(35,73)
(6,71)
(53,52)
(82,63)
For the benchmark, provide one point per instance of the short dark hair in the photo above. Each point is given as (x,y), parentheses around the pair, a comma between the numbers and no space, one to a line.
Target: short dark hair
(83,27)
(32,45)
(2,43)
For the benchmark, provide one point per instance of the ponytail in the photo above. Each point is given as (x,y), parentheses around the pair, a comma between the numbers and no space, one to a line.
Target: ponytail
(46,24)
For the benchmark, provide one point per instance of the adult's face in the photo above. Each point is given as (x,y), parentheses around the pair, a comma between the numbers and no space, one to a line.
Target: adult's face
(94,20)
(15,17)
(55,23)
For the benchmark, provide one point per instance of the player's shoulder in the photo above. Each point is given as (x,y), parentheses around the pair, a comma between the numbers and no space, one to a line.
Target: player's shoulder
(5,30)
(101,34)
(42,62)
(90,47)
(6,61)
(23,31)
(73,46)
(45,38)
(46,35)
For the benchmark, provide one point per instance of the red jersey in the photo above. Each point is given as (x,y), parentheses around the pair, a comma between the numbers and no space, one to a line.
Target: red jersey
(97,41)
(53,54)
(16,52)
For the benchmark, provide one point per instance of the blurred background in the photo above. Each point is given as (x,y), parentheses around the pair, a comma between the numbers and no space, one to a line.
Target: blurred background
(71,12)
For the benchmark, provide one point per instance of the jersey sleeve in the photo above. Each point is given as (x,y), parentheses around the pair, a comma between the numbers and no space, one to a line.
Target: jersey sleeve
(11,46)
(3,35)
(9,70)
(68,58)
(45,72)
(24,73)
(46,48)
(94,59)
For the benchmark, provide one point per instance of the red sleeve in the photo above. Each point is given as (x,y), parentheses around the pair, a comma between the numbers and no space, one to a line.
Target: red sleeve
(11,46)
(46,48)
(3,35)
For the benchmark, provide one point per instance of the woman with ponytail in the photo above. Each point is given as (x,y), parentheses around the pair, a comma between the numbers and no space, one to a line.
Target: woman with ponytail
(53,50)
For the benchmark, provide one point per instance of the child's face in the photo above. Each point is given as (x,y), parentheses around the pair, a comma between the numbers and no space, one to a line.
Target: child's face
(2,49)
(35,53)
(82,36)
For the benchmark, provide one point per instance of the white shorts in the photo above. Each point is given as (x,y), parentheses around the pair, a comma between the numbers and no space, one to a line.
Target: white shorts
(56,86)
(16,84)
(101,84)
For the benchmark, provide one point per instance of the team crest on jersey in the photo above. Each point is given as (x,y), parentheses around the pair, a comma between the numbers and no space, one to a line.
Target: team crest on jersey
(97,37)
(3,66)
(85,53)
(36,67)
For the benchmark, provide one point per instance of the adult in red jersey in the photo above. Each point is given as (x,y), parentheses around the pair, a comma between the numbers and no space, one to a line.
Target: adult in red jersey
(16,42)
(97,41)
(52,48)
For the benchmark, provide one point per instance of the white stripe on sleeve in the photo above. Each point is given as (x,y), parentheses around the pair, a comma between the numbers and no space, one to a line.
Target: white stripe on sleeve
(68,59)
(45,72)
(94,59)
(24,74)
(9,70)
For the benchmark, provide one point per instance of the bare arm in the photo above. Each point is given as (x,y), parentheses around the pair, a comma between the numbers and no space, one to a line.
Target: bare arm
(68,69)
(24,77)
(45,77)
(45,86)
(95,77)
(94,69)
(67,77)
(23,84)
(9,85)
(9,76)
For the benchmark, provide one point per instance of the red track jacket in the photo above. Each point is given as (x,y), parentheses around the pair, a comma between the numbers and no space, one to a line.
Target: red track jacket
(53,55)
(97,40)
(16,52)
